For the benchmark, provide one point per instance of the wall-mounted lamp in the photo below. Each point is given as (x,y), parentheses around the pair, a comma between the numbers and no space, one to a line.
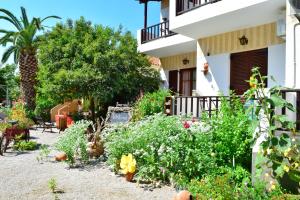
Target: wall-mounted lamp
(243,40)
(205,68)
(185,61)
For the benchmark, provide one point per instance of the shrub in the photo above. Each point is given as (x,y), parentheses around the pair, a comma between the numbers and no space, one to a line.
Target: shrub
(232,134)
(25,146)
(150,104)
(4,126)
(18,113)
(74,141)
(162,148)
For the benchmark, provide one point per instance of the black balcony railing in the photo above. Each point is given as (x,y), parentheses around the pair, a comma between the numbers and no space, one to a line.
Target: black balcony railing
(156,31)
(183,6)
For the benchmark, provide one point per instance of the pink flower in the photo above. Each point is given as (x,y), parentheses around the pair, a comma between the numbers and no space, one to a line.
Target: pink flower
(186,125)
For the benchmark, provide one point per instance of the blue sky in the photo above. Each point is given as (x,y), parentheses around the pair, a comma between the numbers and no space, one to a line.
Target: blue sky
(128,13)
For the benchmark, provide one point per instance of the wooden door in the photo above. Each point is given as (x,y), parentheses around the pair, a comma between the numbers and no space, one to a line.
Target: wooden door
(187,81)
(241,65)
(173,81)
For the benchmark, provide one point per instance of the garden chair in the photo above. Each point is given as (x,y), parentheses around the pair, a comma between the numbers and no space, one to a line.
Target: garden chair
(41,123)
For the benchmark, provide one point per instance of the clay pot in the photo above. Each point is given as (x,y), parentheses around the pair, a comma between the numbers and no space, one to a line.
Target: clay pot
(129,177)
(205,68)
(183,195)
(61,157)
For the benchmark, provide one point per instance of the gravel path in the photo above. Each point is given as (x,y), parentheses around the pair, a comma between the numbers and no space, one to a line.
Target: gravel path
(22,177)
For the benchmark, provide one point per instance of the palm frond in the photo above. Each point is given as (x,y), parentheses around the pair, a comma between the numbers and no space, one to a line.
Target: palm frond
(7,53)
(17,55)
(52,16)
(24,17)
(4,31)
(11,18)
(6,38)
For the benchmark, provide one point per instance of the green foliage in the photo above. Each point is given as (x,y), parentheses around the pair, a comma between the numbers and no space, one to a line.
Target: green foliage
(74,141)
(52,185)
(280,152)
(4,126)
(82,60)
(44,153)
(18,113)
(232,134)
(223,187)
(25,146)
(150,104)
(22,39)
(162,148)
(9,78)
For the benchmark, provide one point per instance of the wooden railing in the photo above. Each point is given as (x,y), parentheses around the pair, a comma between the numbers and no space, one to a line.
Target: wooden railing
(156,31)
(196,105)
(193,105)
(183,6)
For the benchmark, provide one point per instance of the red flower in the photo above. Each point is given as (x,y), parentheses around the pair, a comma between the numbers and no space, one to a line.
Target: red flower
(186,125)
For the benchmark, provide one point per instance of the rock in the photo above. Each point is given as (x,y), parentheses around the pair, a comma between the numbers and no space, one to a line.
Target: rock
(61,157)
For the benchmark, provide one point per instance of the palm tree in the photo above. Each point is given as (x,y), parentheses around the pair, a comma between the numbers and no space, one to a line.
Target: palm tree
(23,47)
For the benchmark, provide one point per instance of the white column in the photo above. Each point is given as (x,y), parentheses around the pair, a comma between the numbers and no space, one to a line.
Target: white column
(292,63)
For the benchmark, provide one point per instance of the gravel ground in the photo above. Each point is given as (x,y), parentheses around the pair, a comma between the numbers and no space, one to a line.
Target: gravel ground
(23,177)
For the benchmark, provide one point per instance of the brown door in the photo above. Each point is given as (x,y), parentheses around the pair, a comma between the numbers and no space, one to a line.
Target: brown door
(173,81)
(187,81)
(241,65)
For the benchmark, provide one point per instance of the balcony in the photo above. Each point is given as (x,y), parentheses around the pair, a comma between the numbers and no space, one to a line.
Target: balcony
(183,6)
(203,18)
(155,32)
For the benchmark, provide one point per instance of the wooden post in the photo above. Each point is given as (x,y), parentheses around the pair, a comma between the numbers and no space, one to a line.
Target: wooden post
(146,14)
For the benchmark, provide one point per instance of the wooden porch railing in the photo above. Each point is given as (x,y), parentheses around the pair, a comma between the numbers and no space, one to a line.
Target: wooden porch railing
(156,31)
(193,105)
(183,6)
(196,105)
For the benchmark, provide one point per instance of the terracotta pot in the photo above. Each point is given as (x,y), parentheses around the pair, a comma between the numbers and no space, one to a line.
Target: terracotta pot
(183,195)
(61,157)
(129,176)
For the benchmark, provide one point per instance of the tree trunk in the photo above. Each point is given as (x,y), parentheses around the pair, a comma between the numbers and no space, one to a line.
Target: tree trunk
(92,108)
(28,72)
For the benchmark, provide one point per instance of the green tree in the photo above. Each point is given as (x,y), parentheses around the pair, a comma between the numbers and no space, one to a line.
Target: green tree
(10,79)
(22,46)
(81,60)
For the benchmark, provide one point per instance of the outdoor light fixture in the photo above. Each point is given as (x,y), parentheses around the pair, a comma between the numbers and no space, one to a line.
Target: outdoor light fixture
(243,40)
(185,61)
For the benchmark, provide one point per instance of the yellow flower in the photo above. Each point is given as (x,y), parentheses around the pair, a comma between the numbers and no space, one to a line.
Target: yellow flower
(128,164)
(286,168)
(269,151)
(286,152)
(296,165)
(273,186)
(252,82)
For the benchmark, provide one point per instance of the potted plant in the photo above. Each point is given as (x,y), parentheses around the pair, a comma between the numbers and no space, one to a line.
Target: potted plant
(128,166)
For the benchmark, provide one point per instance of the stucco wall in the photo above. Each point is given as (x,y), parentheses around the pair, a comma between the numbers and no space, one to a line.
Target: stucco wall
(258,37)
(175,62)
(276,64)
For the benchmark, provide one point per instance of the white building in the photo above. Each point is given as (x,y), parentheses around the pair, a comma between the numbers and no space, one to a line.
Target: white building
(232,36)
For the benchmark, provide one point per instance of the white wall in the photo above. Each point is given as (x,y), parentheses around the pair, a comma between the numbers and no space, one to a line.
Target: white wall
(292,67)
(298,55)
(217,79)
(219,69)
(276,65)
